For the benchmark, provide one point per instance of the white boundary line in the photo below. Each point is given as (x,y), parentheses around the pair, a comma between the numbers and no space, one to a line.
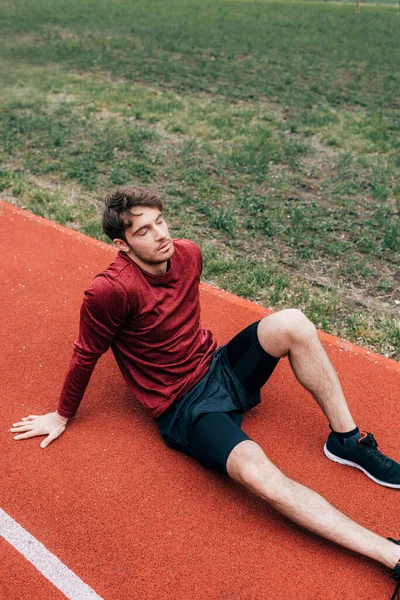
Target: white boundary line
(44,561)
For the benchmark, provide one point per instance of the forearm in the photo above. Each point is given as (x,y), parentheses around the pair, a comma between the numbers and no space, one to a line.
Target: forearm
(103,311)
(75,383)
(312,511)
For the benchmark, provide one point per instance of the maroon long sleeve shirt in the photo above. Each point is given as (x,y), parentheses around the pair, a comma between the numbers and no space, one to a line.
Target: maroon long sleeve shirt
(152,324)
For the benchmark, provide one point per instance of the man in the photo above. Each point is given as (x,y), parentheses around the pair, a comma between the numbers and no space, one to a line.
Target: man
(145,306)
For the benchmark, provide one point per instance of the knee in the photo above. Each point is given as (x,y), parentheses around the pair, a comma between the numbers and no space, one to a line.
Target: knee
(268,484)
(249,465)
(298,328)
(264,483)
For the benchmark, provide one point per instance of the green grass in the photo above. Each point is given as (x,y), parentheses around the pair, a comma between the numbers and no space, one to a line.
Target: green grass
(271,128)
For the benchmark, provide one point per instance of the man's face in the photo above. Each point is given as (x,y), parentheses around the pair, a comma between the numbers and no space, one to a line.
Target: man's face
(148,242)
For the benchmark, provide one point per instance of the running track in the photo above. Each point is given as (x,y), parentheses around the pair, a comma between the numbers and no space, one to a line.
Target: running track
(133,519)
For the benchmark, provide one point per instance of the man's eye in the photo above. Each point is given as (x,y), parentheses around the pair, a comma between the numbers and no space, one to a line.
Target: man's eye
(144,233)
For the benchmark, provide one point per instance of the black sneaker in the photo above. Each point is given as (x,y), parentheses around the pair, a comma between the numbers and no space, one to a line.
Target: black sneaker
(365,456)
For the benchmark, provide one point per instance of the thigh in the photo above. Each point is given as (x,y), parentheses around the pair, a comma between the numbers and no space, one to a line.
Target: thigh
(215,435)
(248,360)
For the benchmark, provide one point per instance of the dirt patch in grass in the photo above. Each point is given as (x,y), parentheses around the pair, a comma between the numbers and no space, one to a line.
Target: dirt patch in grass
(283,217)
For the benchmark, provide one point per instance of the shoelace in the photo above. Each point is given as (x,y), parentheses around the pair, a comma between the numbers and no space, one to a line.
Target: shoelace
(367,439)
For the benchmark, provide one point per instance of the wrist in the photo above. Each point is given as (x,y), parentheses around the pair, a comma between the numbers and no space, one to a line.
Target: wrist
(60,418)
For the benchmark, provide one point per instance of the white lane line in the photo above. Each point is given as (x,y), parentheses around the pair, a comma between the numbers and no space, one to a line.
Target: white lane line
(47,563)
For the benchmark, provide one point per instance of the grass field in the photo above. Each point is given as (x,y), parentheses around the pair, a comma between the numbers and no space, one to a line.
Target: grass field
(270,128)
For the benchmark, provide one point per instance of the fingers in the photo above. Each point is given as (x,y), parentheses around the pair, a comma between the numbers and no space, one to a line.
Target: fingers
(21,427)
(25,421)
(24,424)
(52,436)
(25,436)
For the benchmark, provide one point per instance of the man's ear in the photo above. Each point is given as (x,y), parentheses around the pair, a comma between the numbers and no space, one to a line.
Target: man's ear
(121,245)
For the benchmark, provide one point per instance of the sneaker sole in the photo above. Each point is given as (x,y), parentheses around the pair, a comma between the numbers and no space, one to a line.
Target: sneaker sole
(342,461)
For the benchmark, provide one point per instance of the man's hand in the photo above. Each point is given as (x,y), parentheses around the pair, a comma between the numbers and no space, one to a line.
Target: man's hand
(52,425)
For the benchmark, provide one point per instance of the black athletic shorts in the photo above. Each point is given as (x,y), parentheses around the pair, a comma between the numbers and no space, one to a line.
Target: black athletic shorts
(205,423)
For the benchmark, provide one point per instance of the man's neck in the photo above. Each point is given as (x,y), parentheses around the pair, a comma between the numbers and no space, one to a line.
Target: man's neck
(157,269)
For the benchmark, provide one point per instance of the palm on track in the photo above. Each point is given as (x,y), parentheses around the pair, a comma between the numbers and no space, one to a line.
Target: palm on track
(35,425)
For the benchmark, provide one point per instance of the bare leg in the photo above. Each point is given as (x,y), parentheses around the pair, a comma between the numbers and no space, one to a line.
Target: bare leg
(248,464)
(289,332)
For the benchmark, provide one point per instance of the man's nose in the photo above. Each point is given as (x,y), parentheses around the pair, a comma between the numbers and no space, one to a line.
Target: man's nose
(159,233)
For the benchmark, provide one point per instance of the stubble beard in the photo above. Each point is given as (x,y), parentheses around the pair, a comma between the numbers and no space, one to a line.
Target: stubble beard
(148,260)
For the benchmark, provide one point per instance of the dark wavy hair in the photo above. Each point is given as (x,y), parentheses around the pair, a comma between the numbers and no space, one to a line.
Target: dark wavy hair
(116,215)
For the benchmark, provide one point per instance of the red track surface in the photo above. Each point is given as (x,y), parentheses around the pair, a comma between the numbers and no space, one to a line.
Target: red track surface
(136,520)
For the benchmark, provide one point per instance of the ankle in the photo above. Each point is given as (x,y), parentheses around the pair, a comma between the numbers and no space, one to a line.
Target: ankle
(349,436)
(343,427)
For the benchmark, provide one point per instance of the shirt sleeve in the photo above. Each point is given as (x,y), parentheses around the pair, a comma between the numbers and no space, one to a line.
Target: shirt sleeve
(103,312)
